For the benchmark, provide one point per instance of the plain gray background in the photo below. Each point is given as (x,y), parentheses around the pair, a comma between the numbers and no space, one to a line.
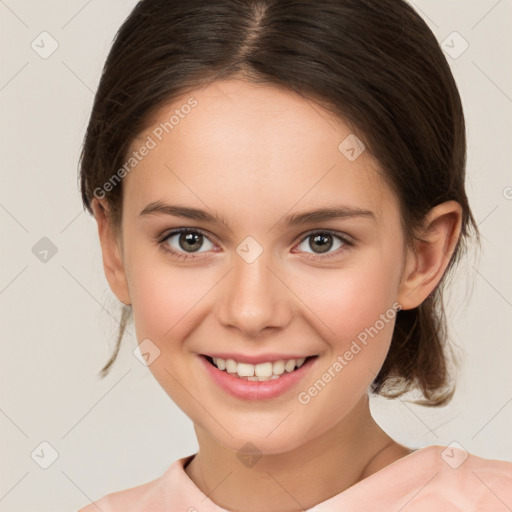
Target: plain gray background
(59,318)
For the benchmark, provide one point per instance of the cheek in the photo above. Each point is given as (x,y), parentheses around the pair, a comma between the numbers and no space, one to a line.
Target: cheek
(163,295)
(358,309)
(166,305)
(351,299)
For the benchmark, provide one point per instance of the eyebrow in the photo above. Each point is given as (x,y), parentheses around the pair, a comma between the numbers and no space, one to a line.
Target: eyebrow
(294,219)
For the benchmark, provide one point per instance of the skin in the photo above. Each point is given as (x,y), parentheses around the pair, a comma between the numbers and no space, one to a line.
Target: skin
(254,154)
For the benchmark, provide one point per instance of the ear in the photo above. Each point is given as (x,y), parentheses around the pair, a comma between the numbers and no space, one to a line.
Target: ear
(113,265)
(426,263)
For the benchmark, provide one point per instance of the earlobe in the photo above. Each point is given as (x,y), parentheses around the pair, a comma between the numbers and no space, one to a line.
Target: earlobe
(113,264)
(426,264)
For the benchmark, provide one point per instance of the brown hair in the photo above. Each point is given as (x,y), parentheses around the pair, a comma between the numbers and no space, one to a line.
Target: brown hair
(375,64)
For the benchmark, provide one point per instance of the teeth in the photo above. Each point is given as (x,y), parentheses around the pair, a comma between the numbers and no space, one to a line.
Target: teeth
(231,365)
(245,370)
(278,367)
(258,372)
(220,363)
(290,365)
(263,370)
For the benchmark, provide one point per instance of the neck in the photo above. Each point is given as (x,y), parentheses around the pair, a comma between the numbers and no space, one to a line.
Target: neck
(299,479)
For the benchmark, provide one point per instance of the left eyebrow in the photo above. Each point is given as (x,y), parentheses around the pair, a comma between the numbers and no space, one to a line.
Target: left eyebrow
(324,214)
(294,219)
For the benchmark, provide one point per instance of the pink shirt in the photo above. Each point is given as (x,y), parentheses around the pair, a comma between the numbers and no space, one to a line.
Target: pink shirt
(431,479)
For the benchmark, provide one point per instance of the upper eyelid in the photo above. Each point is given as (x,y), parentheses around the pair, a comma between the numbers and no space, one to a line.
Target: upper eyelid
(339,234)
(177,231)
(345,238)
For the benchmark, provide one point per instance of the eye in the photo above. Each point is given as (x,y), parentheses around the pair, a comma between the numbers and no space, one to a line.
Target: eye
(321,242)
(181,242)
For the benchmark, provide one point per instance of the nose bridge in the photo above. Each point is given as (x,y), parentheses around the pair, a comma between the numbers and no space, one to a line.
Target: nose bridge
(253,298)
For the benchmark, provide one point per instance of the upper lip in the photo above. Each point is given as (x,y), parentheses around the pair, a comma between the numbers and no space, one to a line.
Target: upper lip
(256,359)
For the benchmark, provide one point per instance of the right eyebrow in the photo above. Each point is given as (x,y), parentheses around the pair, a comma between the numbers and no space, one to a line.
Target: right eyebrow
(158,207)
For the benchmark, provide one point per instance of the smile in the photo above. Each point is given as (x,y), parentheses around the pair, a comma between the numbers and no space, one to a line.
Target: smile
(257,372)
(260,377)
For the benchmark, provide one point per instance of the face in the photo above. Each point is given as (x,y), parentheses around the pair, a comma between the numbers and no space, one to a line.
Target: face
(220,262)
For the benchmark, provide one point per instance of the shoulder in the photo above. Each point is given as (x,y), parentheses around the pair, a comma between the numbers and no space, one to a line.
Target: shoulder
(154,495)
(459,480)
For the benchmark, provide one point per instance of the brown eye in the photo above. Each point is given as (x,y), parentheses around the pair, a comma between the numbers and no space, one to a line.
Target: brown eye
(187,240)
(323,242)
(190,241)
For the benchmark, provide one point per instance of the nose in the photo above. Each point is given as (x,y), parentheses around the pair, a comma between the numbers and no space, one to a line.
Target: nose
(254,298)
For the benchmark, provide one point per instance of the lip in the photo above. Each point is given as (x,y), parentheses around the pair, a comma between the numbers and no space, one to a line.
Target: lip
(253,390)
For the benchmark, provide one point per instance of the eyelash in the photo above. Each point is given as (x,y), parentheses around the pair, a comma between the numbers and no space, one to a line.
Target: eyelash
(347,244)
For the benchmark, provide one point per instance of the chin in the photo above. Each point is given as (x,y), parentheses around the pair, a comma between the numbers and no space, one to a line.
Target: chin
(263,438)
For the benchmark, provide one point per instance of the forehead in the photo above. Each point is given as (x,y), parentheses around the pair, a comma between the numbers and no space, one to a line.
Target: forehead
(242,143)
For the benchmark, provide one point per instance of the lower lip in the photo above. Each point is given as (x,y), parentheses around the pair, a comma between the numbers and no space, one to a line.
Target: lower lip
(254,390)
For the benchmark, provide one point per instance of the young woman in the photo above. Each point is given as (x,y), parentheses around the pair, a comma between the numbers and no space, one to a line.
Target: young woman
(279,192)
